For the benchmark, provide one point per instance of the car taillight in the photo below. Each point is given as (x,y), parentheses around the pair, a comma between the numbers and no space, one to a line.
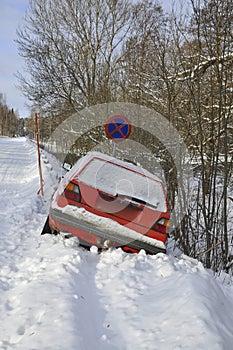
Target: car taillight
(72,192)
(161,225)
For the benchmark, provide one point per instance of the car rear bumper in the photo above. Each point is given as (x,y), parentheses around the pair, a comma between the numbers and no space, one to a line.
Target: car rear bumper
(78,225)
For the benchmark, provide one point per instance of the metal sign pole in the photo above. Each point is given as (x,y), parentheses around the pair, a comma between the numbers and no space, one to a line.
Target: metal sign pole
(114,149)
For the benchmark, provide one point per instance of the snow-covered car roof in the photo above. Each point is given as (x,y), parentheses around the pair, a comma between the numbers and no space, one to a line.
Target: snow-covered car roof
(94,154)
(119,178)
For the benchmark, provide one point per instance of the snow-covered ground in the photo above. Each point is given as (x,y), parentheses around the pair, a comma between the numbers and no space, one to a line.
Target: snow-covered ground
(54,295)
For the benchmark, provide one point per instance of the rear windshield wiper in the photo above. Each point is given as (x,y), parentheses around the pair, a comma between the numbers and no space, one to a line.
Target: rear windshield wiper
(136,200)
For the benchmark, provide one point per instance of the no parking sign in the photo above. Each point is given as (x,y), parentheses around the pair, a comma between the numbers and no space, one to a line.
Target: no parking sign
(117,128)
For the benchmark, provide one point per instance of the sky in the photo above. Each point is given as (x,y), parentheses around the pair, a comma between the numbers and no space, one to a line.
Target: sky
(11,16)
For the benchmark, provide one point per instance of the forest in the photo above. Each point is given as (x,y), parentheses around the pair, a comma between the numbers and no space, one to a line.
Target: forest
(81,53)
(10,124)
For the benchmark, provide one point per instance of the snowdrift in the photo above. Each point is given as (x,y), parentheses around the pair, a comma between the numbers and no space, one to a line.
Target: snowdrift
(54,295)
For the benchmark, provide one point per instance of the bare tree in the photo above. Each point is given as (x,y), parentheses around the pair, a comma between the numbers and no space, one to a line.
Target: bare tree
(185,71)
(71,48)
(206,77)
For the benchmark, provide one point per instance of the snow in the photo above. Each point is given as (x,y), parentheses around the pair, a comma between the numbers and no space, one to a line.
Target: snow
(142,185)
(108,225)
(56,296)
(114,179)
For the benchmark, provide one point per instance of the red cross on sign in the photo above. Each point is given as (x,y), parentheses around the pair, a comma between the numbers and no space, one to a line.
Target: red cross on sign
(117,128)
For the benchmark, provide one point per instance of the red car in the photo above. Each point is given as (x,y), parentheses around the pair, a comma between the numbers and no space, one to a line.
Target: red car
(108,202)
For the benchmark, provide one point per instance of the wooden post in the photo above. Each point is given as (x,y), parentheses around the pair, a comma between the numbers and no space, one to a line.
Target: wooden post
(38,151)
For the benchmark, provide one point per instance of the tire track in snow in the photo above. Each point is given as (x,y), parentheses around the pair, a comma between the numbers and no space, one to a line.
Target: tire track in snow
(47,285)
(57,297)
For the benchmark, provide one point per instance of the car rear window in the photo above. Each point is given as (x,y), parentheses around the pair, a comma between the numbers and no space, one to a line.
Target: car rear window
(115,179)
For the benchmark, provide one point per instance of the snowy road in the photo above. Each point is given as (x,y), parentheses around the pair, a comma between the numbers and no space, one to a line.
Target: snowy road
(56,296)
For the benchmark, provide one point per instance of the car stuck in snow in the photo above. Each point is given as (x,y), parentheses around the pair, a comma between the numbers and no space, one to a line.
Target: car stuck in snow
(108,202)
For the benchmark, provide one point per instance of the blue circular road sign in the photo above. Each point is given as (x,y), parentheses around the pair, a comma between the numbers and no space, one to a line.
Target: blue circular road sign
(117,128)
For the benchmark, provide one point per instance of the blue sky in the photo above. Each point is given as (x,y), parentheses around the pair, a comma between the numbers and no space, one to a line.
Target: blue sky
(11,15)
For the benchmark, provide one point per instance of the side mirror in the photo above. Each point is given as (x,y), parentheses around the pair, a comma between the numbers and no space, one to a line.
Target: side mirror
(67,166)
